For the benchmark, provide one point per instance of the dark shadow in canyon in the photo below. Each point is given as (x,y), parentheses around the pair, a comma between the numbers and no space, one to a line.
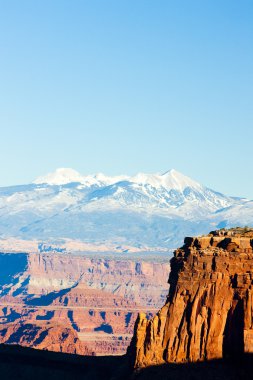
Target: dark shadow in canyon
(11,264)
(240,368)
(22,288)
(105,327)
(11,315)
(47,299)
(47,317)
(233,336)
(28,330)
(28,364)
(73,323)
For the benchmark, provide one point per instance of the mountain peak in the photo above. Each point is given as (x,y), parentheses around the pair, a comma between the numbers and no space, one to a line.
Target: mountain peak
(60,176)
(63,176)
(170,171)
(172,179)
(176,180)
(117,209)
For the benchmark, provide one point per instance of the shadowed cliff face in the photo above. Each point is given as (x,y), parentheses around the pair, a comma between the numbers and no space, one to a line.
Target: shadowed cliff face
(209,310)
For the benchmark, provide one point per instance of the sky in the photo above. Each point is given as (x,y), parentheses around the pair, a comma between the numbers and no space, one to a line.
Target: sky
(128,86)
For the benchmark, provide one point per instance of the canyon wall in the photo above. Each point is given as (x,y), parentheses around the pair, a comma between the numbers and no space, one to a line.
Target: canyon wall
(209,309)
(77,303)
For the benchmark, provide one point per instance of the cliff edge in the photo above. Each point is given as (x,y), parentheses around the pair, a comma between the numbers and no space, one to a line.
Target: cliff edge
(209,310)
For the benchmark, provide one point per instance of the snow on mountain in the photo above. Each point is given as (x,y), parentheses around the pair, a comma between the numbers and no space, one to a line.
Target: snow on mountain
(169,180)
(63,176)
(107,180)
(170,193)
(143,210)
(240,214)
(172,179)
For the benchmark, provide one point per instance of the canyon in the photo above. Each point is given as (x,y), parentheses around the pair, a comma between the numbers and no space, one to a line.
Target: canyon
(78,303)
(208,314)
(197,324)
(80,256)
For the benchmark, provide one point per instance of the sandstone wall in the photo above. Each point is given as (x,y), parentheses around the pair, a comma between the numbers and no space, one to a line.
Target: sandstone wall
(91,304)
(209,309)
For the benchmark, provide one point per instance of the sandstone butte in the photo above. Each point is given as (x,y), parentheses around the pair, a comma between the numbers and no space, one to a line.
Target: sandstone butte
(209,310)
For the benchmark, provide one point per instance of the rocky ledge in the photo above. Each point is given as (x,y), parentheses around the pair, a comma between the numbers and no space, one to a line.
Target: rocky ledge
(209,310)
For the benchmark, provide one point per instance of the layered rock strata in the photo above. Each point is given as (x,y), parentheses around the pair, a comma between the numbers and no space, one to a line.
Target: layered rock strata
(89,304)
(209,309)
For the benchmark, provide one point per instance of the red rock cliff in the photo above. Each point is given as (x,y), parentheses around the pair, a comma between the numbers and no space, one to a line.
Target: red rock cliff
(209,309)
(77,303)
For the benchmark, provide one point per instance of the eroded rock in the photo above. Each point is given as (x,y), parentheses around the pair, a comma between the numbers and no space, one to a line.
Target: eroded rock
(209,310)
(95,299)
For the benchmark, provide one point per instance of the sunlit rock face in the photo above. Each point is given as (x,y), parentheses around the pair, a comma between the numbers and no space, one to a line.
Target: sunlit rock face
(77,304)
(209,309)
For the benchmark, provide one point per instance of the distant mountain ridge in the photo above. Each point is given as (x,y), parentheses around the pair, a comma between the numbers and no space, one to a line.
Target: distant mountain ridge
(145,211)
(169,190)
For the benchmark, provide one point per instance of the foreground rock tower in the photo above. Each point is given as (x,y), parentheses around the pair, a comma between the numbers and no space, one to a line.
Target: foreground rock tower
(209,309)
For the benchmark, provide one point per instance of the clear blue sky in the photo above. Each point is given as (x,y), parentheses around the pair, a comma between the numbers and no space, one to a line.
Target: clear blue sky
(126,86)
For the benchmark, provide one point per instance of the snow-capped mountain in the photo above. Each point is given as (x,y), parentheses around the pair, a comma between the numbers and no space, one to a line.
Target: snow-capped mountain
(169,193)
(146,210)
(171,190)
(63,176)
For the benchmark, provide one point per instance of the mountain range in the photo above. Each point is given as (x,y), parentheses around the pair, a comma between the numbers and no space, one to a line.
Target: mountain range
(144,212)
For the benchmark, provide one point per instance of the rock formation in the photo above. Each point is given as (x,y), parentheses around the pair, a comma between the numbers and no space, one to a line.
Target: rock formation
(51,337)
(209,309)
(89,304)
